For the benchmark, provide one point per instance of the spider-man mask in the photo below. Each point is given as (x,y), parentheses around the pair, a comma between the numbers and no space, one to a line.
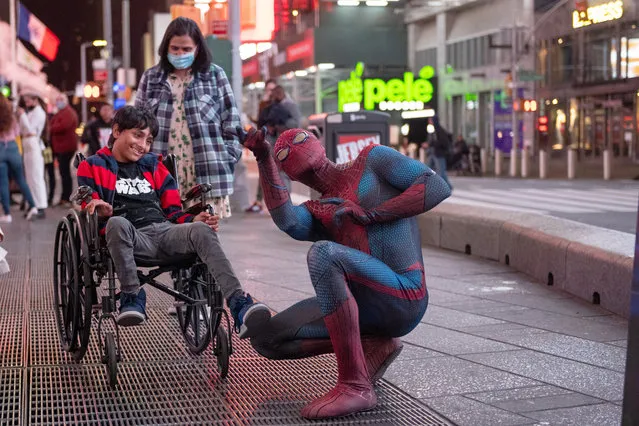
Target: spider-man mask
(301,155)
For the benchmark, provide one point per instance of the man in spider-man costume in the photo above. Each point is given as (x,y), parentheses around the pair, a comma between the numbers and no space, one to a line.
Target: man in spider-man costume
(366,263)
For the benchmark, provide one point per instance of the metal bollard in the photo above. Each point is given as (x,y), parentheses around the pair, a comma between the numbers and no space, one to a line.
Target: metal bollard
(513,162)
(524,162)
(498,155)
(543,164)
(572,160)
(483,158)
(422,155)
(607,158)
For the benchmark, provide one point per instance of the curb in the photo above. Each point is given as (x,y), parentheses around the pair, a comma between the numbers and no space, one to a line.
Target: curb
(589,262)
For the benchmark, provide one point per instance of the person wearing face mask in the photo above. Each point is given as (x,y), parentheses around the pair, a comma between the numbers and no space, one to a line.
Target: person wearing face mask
(64,142)
(32,123)
(193,102)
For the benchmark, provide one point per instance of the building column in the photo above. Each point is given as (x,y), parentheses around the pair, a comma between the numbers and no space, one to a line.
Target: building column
(442,27)
(410,29)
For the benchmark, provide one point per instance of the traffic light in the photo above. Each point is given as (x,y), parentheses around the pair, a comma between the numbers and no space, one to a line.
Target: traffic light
(529,105)
(508,85)
(92,90)
(542,130)
(542,125)
(525,105)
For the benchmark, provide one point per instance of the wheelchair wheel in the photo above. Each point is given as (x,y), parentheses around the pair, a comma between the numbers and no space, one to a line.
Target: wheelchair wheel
(222,351)
(111,359)
(195,321)
(65,279)
(86,287)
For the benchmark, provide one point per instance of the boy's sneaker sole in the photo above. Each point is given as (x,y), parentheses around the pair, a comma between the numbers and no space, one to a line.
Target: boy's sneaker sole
(254,318)
(130,318)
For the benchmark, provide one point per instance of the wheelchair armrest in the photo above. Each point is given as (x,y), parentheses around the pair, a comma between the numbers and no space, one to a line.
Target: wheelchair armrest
(197,191)
(196,209)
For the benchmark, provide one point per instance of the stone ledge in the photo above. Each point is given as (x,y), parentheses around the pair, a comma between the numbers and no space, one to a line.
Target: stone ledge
(592,263)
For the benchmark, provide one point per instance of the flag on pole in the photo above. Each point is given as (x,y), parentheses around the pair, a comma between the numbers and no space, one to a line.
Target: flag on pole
(32,30)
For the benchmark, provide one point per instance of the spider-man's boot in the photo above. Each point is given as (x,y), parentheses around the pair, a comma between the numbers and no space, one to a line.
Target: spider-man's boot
(380,352)
(353,392)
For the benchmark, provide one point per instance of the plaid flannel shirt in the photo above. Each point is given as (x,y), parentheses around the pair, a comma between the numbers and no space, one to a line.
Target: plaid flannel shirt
(210,108)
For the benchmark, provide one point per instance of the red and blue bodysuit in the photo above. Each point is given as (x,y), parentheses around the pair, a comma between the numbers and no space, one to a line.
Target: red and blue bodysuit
(365,264)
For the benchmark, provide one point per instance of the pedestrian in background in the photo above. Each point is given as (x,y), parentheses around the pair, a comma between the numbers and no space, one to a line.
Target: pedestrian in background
(47,153)
(11,161)
(438,143)
(194,104)
(65,144)
(32,121)
(96,133)
(266,101)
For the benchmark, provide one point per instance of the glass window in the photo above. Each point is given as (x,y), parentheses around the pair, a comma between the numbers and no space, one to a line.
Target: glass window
(601,57)
(561,60)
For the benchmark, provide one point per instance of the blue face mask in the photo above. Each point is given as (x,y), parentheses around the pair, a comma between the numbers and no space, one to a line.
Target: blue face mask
(60,105)
(181,62)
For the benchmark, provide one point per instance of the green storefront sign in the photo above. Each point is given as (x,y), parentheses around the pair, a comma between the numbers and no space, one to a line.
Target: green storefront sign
(411,93)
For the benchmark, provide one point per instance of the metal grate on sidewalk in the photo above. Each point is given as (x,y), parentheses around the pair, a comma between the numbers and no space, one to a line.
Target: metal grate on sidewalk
(160,382)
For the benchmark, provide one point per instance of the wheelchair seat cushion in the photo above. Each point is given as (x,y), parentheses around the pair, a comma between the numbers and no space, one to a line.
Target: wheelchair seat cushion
(179,262)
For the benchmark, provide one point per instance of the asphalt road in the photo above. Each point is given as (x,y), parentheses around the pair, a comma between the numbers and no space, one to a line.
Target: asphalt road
(611,205)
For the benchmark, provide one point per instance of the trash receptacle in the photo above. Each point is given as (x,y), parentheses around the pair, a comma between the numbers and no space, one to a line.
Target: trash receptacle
(346,134)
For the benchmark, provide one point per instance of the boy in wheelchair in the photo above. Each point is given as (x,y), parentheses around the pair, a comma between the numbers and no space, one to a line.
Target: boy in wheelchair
(140,199)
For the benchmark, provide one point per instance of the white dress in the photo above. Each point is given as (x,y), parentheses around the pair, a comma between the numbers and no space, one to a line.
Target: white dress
(32,123)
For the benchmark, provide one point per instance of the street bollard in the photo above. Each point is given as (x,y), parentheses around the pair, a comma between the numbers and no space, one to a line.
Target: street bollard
(572,160)
(422,155)
(543,164)
(606,164)
(498,155)
(483,158)
(524,162)
(513,162)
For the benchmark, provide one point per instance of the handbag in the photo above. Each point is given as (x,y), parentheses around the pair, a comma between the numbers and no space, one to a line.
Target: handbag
(47,154)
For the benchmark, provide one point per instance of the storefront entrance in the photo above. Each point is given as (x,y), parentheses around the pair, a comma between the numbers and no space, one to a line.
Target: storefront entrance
(608,122)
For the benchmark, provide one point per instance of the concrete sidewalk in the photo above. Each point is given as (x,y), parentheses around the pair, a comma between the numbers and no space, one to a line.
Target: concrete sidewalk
(494,346)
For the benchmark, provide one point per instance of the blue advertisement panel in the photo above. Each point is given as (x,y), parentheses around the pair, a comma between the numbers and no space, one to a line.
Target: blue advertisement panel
(502,122)
(631,391)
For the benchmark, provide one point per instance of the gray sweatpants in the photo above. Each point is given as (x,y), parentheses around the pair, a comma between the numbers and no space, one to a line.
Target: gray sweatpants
(164,241)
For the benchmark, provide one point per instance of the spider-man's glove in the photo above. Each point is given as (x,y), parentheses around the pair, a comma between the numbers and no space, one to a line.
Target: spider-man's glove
(348,208)
(255,141)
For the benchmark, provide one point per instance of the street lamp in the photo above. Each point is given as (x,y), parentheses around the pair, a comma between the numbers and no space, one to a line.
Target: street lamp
(83,70)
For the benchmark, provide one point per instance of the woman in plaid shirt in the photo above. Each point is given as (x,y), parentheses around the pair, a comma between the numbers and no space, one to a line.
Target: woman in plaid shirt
(193,102)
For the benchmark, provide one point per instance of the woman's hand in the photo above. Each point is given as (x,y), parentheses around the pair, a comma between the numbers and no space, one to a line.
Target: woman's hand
(211,220)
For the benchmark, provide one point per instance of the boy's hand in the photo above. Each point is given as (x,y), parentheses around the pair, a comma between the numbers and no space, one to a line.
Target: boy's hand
(211,220)
(103,208)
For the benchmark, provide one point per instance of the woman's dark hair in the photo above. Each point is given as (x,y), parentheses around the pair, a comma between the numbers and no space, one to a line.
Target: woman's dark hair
(131,117)
(6,115)
(180,27)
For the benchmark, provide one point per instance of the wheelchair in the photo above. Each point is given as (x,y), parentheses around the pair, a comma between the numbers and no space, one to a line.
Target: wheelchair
(82,265)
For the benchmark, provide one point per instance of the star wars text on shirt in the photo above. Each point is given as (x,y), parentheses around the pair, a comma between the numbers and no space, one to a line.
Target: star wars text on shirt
(135,186)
